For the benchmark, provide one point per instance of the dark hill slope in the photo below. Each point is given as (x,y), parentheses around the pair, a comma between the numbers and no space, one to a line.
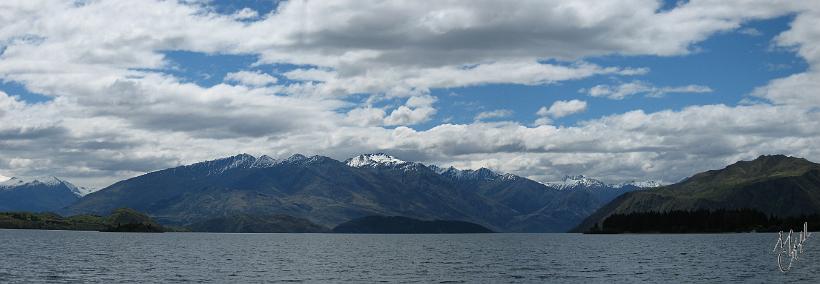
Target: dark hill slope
(774,185)
(243,223)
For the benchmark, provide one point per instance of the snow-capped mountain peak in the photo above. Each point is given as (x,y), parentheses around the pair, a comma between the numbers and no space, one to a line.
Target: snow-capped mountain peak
(374,160)
(642,184)
(576,181)
(580,181)
(48,181)
(264,161)
(240,161)
(295,158)
(17,181)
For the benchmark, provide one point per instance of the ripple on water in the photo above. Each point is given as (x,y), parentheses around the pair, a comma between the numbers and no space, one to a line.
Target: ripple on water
(66,257)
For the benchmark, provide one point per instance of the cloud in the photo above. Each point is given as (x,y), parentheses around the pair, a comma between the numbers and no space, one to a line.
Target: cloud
(667,144)
(559,109)
(253,79)
(625,90)
(245,14)
(796,89)
(116,110)
(417,110)
(8,103)
(399,81)
(366,116)
(499,113)
(375,33)
(750,32)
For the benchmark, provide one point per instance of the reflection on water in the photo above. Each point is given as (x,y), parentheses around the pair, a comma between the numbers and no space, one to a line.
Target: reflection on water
(58,256)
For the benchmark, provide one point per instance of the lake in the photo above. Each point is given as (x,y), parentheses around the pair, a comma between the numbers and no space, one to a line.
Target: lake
(66,256)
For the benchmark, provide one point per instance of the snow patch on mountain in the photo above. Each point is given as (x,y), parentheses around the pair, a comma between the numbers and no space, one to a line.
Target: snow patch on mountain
(83,191)
(472,175)
(301,160)
(479,174)
(246,161)
(509,177)
(219,166)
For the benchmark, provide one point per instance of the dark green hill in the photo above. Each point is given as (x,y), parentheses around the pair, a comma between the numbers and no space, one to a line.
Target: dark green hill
(404,225)
(129,220)
(776,185)
(244,223)
(703,221)
(121,220)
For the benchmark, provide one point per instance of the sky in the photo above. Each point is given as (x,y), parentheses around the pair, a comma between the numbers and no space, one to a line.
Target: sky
(99,91)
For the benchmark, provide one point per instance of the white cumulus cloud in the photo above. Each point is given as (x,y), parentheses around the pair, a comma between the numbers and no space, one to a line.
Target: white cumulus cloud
(254,79)
(559,109)
(625,90)
(499,113)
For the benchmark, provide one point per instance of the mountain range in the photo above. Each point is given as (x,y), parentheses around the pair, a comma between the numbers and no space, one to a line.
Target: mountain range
(329,192)
(775,185)
(316,193)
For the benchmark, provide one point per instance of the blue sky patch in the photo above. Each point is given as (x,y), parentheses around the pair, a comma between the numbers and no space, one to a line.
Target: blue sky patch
(16,89)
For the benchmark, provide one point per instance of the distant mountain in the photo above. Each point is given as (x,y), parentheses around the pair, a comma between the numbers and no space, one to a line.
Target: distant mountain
(404,225)
(244,223)
(582,182)
(776,185)
(601,191)
(378,160)
(37,194)
(329,192)
(576,182)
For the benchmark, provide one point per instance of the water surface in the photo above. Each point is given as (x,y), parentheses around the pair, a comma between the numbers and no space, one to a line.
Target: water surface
(65,256)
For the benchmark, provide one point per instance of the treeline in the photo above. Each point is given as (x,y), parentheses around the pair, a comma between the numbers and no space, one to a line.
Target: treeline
(120,220)
(703,221)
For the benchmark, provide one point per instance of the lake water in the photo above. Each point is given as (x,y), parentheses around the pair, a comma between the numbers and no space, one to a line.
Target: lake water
(28,256)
